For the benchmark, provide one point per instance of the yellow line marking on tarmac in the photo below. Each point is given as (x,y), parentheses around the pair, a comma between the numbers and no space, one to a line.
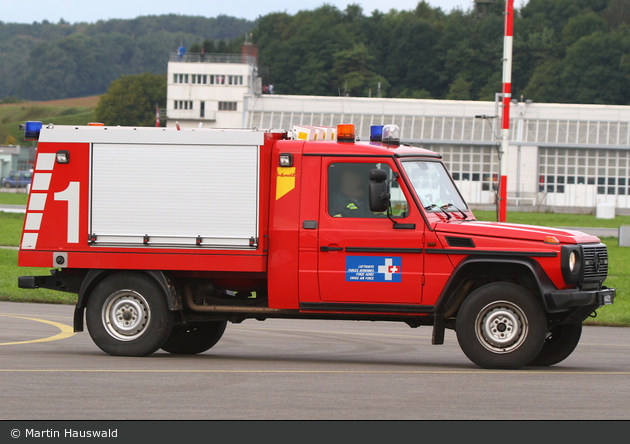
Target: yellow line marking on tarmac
(30,314)
(66,331)
(399,372)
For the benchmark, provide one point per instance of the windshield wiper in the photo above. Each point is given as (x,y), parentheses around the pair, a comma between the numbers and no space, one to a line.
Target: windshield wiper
(432,206)
(451,205)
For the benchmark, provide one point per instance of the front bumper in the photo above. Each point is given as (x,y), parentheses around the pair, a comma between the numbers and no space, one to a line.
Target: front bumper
(565,299)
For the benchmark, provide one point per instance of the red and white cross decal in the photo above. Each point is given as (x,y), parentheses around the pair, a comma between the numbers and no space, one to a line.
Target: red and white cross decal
(388,269)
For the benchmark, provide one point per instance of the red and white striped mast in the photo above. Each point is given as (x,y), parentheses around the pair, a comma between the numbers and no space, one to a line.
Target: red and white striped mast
(506,98)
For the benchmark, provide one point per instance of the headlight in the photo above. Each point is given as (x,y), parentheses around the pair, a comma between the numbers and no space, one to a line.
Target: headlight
(572,261)
(571,264)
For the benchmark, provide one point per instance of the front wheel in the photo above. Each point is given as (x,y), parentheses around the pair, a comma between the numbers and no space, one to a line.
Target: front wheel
(501,325)
(560,343)
(127,315)
(195,338)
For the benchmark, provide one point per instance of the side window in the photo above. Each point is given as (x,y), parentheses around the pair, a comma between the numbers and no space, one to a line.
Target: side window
(348,191)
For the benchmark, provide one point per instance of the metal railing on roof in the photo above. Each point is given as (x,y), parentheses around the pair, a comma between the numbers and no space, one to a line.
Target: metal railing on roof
(196,57)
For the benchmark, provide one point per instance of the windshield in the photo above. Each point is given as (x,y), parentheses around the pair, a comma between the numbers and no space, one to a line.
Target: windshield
(433,185)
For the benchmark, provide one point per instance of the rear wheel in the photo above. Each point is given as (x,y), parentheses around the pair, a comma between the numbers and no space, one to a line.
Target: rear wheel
(195,338)
(560,343)
(501,325)
(127,315)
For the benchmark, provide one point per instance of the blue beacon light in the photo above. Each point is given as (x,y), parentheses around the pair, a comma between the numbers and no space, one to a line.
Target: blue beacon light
(376,133)
(32,130)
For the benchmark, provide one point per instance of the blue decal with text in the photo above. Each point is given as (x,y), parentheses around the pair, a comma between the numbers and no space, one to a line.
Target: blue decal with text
(373,269)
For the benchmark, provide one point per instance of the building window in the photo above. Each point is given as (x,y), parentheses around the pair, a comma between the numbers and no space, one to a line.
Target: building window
(202,109)
(227,106)
(219,79)
(235,80)
(183,104)
(174,78)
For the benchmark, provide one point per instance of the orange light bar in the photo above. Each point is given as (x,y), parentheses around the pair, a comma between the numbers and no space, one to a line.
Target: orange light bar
(345,132)
(95,124)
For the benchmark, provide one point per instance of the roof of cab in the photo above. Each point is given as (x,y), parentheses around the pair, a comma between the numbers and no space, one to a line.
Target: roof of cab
(333,148)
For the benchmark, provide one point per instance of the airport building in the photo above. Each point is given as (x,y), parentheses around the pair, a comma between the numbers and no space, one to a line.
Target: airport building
(561,157)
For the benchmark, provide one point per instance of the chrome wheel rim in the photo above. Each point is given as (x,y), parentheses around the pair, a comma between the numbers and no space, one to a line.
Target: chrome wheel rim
(501,327)
(126,315)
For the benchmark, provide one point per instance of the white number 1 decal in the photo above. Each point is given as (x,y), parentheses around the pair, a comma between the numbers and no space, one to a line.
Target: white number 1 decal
(71,195)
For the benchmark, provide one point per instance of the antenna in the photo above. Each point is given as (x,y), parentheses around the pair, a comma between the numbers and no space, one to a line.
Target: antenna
(341,99)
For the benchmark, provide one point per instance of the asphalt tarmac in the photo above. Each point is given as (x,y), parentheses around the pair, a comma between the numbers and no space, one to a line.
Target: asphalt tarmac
(298,370)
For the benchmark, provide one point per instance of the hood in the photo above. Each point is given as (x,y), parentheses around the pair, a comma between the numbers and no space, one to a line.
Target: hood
(513,231)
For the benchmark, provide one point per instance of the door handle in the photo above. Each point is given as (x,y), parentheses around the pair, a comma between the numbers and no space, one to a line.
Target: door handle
(331,248)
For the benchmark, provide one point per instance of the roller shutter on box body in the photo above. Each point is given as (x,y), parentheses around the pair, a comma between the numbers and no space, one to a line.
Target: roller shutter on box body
(174,195)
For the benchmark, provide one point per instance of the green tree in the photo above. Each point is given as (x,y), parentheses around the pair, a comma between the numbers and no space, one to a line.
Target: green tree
(460,89)
(352,71)
(617,13)
(299,50)
(582,25)
(554,14)
(411,60)
(130,100)
(545,84)
(592,71)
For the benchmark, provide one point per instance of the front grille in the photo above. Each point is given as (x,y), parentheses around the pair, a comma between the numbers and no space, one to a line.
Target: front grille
(595,263)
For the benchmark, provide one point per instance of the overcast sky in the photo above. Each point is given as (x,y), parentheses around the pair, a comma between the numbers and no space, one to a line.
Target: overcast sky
(91,11)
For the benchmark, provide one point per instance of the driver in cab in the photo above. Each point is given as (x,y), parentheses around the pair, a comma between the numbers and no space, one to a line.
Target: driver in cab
(349,199)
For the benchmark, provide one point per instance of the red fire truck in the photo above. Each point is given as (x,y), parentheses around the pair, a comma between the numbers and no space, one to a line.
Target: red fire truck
(166,235)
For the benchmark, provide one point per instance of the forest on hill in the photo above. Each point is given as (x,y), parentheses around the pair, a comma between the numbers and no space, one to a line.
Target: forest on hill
(47,61)
(566,51)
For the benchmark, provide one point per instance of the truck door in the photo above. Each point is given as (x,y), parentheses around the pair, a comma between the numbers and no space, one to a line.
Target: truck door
(362,258)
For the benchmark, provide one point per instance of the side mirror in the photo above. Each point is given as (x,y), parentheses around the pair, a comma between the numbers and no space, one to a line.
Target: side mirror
(378,191)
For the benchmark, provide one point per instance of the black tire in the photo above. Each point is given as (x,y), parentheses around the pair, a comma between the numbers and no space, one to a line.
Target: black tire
(501,325)
(7,185)
(193,339)
(127,315)
(560,343)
